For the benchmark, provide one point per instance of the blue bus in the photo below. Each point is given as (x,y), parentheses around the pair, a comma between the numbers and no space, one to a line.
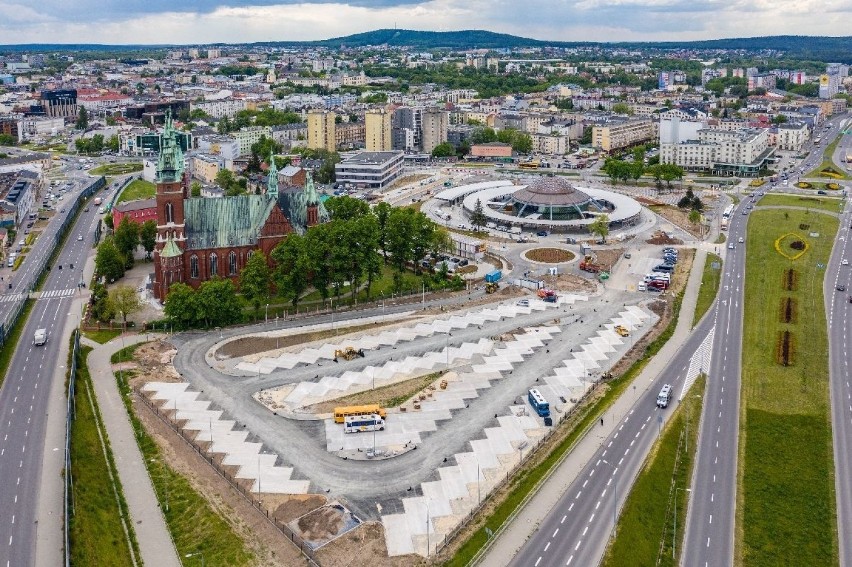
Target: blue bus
(538,403)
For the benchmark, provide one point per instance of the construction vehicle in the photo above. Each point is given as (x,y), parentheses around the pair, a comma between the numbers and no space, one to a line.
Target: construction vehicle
(491,287)
(589,264)
(443,384)
(547,295)
(348,353)
(622,330)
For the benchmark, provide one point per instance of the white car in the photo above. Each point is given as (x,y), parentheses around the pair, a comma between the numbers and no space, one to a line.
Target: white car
(79,237)
(844,262)
(740,240)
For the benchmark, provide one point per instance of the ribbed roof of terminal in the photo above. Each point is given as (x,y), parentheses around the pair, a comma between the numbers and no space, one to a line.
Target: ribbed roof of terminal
(551,190)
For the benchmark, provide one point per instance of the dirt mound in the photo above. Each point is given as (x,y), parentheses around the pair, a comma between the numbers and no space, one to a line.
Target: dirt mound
(154,363)
(570,282)
(661,238)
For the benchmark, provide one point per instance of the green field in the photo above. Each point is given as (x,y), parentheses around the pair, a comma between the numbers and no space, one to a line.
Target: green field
(648,515)
(116,169)
(196,527)
(832,204)
(828,162)
(99,513)
(786,500)
(138,189)
(102,336)
(710,279)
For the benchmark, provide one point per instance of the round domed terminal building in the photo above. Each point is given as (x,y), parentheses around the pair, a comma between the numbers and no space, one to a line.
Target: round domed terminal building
(552,203)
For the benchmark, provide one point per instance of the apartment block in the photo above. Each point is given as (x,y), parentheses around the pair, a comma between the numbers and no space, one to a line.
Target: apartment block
(722,152)
(435,124)
(791,136)
(618,134)
(322,130)
(246,137)
(378,131)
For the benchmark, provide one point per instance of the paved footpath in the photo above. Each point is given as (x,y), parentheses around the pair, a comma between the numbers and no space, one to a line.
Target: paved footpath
(147,519)
(504,548)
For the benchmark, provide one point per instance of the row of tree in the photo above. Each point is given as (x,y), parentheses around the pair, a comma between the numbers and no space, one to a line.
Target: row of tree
(626,169)
(350,250)
(96,144)
(115,253)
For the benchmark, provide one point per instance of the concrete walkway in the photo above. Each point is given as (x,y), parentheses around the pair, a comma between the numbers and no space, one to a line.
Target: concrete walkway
(508,543)
(155,542)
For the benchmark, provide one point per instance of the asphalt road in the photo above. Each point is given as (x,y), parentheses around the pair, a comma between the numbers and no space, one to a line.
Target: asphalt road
(577,530)
(839,314)
(23,400)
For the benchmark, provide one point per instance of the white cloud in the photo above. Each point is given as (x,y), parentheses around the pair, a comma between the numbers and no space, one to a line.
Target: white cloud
(583,20)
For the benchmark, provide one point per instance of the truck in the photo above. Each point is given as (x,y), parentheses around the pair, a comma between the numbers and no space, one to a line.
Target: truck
(40,337)
(493,276)
(547,295)
(98,201)
(588,265)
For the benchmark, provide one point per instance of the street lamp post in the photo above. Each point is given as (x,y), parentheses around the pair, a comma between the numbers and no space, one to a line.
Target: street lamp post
(674,535)
(267,313)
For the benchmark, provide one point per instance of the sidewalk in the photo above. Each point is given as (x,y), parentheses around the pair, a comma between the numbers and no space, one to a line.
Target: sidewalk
(147,519)
(508,543)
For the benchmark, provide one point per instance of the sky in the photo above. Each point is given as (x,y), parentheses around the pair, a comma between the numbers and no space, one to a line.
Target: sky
(239,21)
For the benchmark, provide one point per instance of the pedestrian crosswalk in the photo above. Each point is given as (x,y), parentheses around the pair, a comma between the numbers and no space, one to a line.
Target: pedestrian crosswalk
(12,297)
(54,293)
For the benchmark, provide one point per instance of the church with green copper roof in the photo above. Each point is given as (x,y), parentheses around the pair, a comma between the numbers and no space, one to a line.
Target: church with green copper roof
(199,238)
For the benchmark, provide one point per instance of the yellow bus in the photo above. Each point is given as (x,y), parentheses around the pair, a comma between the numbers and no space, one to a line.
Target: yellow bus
(529,164)
(341,412)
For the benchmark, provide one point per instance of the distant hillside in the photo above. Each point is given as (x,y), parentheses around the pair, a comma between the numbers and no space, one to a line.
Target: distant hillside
(465,39)
(796,47)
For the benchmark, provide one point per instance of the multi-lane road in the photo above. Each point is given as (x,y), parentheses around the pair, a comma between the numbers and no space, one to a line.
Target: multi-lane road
(24,398)
(576,530)
(838,306)
(709,536)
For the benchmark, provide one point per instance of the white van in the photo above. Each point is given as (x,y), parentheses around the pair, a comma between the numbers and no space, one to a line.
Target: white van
(665,396)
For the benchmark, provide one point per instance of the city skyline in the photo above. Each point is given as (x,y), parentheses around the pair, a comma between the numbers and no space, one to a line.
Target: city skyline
(156,22)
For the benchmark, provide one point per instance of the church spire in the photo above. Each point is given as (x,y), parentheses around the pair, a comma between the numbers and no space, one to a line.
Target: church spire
(272,178)
(170,160)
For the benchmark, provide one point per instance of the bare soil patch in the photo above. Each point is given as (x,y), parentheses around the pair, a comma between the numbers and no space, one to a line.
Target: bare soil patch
(549,255)
(570,282)
(253,344)
(390,396)
(153,363)
(322,523)
(608,256)
(659,238)
(287,507)
(362,546)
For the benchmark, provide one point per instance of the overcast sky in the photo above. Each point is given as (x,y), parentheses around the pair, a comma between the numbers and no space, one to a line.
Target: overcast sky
(237,21)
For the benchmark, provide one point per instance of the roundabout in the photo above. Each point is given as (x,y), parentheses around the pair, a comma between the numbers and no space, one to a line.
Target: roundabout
(548,255)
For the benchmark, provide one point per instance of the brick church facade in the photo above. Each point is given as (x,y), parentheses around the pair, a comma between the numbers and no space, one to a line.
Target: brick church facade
(199,238)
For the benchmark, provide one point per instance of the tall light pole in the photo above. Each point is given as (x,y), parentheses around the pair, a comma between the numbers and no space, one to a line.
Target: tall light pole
(674,535)
(614,495)
(267,313)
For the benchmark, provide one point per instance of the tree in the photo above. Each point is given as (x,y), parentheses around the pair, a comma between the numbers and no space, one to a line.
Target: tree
(148,236)
(112,144)
(600,227)
(694,216)
(291,269)
(7,140)
(522,143)
(478,218)
(109,262)
(483,136)
(622,108)
(382,212)
(346,208)
(779,119)
(181,307)
(101,309)
(124,301)
(254,280)
(218,303)
(444,149)
(195,189)
(126,239)
(225,179)
(82,119)
(109,222)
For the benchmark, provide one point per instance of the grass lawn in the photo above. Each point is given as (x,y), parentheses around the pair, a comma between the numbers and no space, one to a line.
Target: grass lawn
(196,527)
(99,514)
(116,169)
(528,478)
(828,162)
(709,286)
(138,189)
(8,349)
(649,511)
(382,284)
(832,204)
(102,336)
(786,500)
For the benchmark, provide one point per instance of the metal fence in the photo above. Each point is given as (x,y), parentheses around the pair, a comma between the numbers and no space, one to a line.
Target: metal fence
(70,414)
(253,499)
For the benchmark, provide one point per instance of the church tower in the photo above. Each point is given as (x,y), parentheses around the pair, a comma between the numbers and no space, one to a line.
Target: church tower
(171,192)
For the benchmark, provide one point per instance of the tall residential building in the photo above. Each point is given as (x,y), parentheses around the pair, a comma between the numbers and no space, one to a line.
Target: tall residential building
(406,128)
(378,134)
(435,123)
(321,130)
